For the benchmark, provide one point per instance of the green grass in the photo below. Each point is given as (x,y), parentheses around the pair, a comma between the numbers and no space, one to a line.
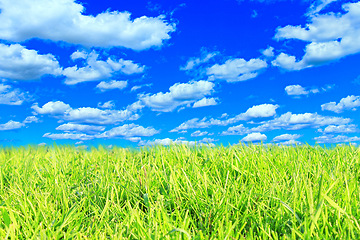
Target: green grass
(180,192)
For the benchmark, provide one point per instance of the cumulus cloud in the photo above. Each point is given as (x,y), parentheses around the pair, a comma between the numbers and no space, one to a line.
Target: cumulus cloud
(64,20)
(179,94)
(269,52)
(237,69)
(257,111)
(236,130)
(194,62)
(11,125)
(331,36)
(350,128)
(78,54)
(129,130)
(296,90)
(85,114)
(73,127)
(286,137)
(290,121)
(31,119)
(198,133)
(108,104)
(168,141)
(113,84)
(134,88)
(254,137)
(336,139)
(10,96)
(51,107)
(96,70)
(71,136)
(350,102)
(19,63)
(204,102)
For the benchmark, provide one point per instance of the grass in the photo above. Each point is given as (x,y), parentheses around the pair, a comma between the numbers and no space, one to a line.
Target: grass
(180,192)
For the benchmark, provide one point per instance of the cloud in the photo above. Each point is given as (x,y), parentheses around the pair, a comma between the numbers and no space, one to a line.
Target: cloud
(129,130)
(51,107)
(64,21)
(195,62)
(198,134)
(179,94)
(254,137)
(351,128)
(286,137)
(236,130)
(108,104)
(237,69)
(204,102)
(85,114)
(134,88)
(350,102)
(71,136)
(31,119)
(318,5)
(19,63)
(331,36)
(113,84)
(96,70)
(168,141)
(296,90)
(78,54)
(257,111)
(73,127)
(269,52)
(290,121)
(337,139)
(11,125)
(9,96)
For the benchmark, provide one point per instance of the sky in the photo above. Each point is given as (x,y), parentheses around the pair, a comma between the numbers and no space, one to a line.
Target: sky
(137,73)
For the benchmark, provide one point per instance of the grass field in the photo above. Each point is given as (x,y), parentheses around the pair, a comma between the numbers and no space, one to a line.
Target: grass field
(180,192)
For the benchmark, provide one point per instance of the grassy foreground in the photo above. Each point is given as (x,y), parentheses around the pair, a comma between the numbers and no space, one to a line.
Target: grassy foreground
(180,192)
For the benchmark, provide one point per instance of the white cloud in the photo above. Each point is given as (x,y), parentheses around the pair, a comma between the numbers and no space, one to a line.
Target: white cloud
(168,141)
(78,54)
(63,20)
(257,111)
(19,63)
(286,137)
(318,5)
(129,130)
(51,107)
(194,62)
(237,69)
(296,90)
(350,102)
(31,119)
(113,84)
(351,128)
(134,88)
(10,125)
(331,36)
(204,102)
(254,137)
(337,139)
(198,134)
(85,114)
(11,96)
(72,136)
(73,127)
(236,130)
(290,121)
(179,94)
(269,52)
(96,70)
(108,104)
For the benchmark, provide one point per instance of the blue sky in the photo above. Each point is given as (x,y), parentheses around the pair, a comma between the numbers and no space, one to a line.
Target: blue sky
(135,73)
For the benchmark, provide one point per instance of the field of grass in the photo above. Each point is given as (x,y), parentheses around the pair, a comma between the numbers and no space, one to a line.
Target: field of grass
(180,192)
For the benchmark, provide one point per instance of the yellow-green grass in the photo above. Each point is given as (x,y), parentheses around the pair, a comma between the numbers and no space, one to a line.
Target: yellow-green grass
(180,192)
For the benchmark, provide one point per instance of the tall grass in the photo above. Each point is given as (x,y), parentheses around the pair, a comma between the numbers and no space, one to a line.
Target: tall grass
(180,192)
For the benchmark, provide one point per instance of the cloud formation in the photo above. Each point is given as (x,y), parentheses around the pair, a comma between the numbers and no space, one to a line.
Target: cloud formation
(9,96)
(348,103)
(331,36)
(64,20)
(19,63)
(11,125)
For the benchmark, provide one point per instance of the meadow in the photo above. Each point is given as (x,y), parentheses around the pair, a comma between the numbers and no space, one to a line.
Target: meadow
(180,192)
